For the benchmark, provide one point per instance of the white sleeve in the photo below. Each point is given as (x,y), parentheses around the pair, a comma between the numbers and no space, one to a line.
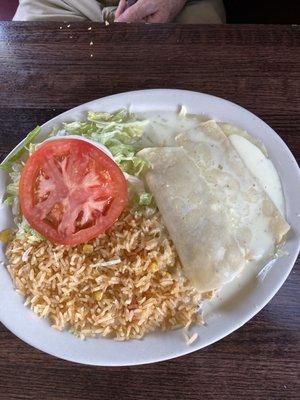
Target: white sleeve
(59,10)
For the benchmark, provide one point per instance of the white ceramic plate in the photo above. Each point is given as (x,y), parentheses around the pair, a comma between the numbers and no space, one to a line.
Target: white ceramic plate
(235,305)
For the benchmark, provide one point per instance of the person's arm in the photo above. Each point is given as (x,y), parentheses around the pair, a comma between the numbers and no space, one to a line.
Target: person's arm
(150,11)
(58,10)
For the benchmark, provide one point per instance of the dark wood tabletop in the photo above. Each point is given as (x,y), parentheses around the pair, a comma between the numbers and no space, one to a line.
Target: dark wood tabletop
(47,68)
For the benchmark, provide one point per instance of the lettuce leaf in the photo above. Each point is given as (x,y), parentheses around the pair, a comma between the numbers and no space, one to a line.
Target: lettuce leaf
(145,199)
(120,132)
(100,117)
(9,200)
(13,189)
(25,228)
(8,164)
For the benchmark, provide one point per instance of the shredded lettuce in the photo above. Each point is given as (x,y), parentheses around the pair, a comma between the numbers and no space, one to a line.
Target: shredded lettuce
(25,229)
(135,166)
(122,151)
(100,117)
(13,165)
(78,128)
(145,204)
(13,189)
(120,132)
(9,200)
(145,199)
(32,148)
(142,202)
(8,164)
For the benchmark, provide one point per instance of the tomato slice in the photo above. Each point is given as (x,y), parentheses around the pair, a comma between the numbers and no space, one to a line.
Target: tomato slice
(71,191)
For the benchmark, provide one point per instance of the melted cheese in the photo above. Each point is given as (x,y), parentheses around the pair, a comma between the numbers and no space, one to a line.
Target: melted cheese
(217,213)
(261,167)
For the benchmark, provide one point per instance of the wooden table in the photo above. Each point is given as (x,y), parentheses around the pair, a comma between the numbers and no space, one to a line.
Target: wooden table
(46,68)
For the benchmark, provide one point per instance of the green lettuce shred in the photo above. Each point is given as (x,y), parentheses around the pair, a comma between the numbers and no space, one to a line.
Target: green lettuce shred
(25,229)
(9,200)
(32,148)
(13,188)
(135,166)
(145,199)
(8,164)
(120,132)
(143,203)
(100,117)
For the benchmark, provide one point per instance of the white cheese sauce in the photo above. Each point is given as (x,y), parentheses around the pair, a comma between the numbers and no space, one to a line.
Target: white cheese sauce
(162,130)
(261,167)
(165,126)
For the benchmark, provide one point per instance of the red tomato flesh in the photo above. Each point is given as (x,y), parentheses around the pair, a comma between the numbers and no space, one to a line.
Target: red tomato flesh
(71,191)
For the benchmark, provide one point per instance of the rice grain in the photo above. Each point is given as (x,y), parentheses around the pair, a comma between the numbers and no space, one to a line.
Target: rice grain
(128,284)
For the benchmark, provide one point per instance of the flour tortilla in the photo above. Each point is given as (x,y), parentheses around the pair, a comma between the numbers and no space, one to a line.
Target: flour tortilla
(217,215)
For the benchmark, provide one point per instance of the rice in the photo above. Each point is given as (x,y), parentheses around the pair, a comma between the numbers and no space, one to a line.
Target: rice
(190,339)
(123,285)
